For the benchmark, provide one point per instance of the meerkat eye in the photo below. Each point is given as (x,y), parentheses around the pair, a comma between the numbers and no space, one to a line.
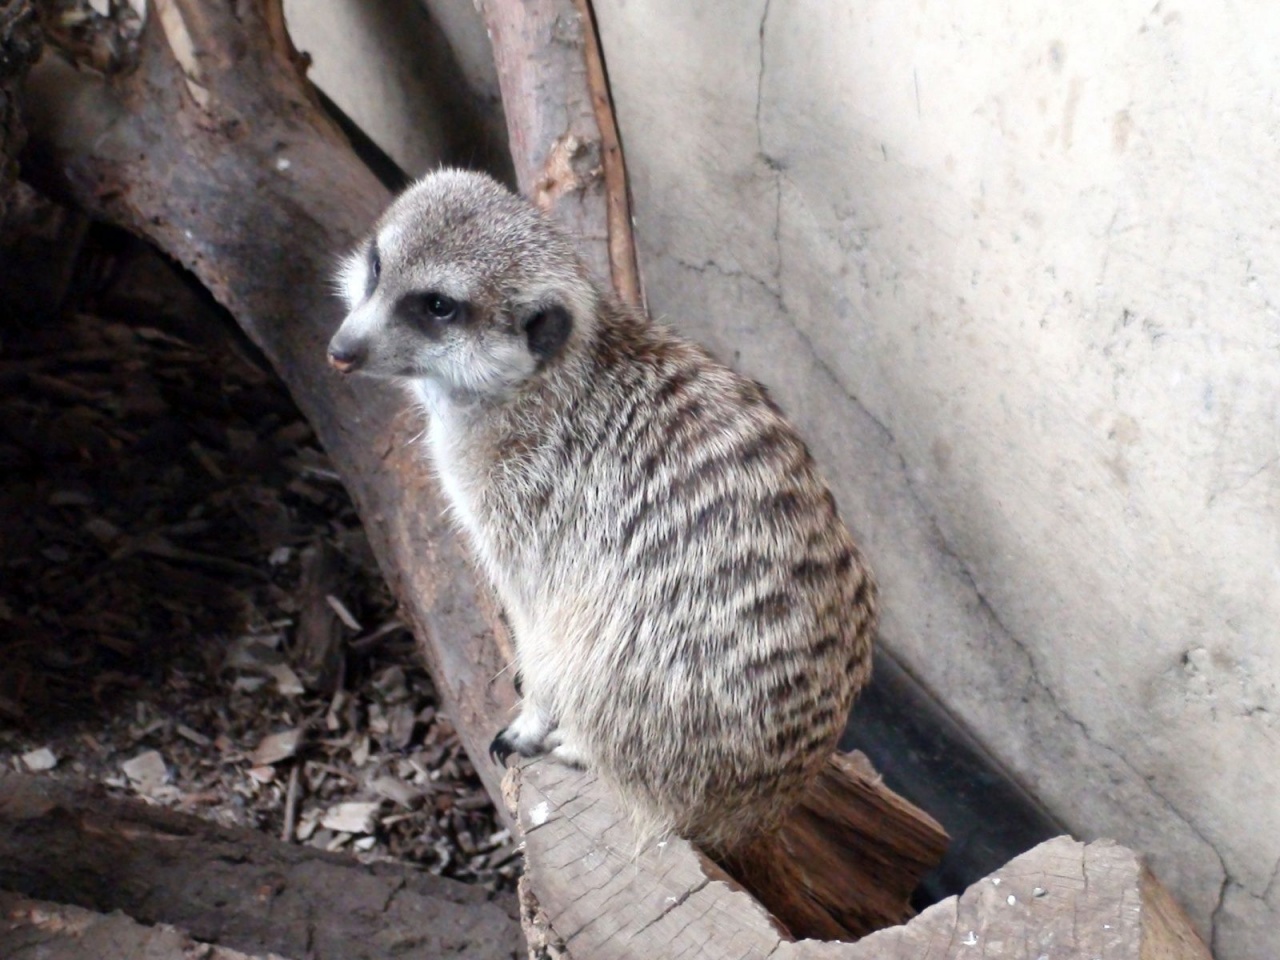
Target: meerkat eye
(430,312)
(440,306)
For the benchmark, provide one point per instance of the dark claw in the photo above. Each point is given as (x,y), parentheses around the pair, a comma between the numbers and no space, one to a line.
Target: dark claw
(500,748)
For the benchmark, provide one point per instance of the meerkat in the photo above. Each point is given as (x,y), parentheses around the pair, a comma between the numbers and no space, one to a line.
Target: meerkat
(690,615)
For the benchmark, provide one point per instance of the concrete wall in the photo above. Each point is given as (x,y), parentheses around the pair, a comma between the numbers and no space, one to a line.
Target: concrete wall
(1015,270)
(416,75)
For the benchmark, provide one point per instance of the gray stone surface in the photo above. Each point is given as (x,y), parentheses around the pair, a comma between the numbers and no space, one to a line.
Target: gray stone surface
(1013,270)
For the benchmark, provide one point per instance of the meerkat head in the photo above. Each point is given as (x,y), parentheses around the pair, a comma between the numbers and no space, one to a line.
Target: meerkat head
(464,284)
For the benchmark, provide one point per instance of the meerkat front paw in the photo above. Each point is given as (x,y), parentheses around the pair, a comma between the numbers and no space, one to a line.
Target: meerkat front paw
(526,735)
(570,755)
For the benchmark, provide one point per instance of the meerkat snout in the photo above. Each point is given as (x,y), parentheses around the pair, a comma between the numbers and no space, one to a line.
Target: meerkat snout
(691,617)
(345,356)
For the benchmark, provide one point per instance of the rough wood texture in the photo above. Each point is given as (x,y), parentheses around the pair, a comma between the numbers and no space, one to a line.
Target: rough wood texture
(561,130)
(1167,933)
(36,930)
(1070,901)
(234,887)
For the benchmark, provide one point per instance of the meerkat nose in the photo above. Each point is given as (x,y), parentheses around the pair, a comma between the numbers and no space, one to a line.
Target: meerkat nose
(345,357)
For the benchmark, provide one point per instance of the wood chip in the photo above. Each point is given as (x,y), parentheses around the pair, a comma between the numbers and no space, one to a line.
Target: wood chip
(397,791)
(199,739)
(352,817)
(277,746)
(147,772)
(343,613)
(40,760)
(287,681)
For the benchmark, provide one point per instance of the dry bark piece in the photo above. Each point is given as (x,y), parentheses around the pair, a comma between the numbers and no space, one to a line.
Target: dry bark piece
(37,761)
(147,771)
(278,746)
(352,816)
(235,887)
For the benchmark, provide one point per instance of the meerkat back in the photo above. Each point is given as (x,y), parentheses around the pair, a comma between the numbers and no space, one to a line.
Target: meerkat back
(691,617)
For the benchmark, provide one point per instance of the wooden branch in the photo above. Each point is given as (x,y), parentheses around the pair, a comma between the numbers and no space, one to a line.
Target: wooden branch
(561,128)
(234,887)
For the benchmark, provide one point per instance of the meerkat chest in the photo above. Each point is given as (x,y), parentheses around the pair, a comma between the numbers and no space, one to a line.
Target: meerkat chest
(483,494)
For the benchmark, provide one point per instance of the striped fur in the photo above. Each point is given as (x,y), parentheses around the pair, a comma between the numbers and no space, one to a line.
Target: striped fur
(692,619)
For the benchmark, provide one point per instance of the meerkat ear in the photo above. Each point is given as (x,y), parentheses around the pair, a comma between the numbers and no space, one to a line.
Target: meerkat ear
(546,328)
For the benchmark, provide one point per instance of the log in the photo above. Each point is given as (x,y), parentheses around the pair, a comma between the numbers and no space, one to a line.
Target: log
(858,850)
(1063,899)
(234,887)
(37,930)
(214,148)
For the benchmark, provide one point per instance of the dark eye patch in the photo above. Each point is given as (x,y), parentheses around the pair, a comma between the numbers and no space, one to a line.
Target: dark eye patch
(430,312)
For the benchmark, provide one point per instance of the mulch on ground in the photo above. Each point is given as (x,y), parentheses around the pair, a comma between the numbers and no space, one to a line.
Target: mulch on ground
(189,610)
